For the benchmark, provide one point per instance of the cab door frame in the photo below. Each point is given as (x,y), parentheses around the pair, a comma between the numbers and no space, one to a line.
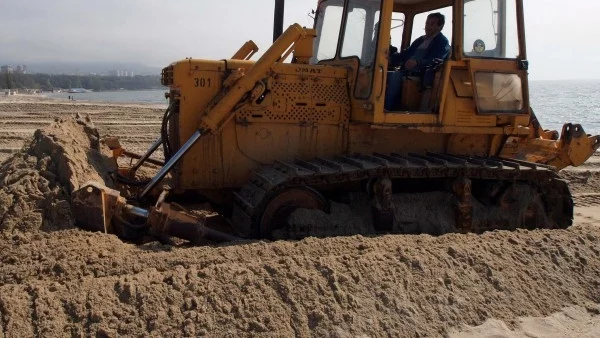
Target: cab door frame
(410,11)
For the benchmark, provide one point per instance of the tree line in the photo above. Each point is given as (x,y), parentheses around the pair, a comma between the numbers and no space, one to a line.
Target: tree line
(49,82)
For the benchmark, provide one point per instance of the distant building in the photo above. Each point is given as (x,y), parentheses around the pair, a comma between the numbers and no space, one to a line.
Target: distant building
(22,69)
(121,73)
(6,69)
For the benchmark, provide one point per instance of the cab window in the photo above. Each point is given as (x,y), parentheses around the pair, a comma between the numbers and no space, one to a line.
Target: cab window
(360,40)
(421,18)
(328,25)
(361,31)
(397,29)
(490,29)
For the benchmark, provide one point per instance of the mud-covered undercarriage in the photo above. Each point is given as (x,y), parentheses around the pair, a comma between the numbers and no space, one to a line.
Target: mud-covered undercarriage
(433,193)
(361,194)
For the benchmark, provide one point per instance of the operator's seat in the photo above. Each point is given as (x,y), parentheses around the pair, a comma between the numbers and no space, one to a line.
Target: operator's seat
(417,94)
(430,87)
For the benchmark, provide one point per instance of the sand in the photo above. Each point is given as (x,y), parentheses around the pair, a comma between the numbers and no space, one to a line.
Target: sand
(575,321)
(57,280)
(20,115)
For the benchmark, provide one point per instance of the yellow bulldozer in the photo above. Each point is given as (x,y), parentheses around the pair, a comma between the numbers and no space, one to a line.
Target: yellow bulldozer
(306,126)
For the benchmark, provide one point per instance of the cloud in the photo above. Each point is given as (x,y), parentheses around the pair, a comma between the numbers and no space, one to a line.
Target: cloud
(149,31)
(157,32)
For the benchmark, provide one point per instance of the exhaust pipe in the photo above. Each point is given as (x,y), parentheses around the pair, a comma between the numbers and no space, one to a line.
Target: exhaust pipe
(278,19)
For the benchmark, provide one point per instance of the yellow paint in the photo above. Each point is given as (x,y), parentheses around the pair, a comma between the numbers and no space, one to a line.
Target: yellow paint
(256,113)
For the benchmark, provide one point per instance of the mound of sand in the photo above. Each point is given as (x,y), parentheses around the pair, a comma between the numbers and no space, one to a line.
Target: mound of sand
(75,283)
(575,321)
(35,183)
(402,286)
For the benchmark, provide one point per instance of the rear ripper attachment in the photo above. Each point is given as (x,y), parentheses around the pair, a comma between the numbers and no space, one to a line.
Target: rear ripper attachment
(98,208)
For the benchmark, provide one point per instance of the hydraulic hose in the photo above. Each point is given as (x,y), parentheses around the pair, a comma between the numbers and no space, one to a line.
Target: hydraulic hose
(164,132)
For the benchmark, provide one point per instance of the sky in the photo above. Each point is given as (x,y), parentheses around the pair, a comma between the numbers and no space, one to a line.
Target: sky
(561,40)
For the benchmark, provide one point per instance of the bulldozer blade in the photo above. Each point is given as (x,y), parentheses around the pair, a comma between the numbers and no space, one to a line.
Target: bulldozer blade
(94,206)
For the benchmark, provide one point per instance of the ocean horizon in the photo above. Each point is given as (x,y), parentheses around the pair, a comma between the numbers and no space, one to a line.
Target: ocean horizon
(554,102)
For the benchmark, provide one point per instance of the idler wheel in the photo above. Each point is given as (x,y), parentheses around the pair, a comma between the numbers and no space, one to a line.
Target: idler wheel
(281,206)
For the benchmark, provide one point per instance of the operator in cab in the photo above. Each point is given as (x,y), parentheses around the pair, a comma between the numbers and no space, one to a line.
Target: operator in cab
(418,60)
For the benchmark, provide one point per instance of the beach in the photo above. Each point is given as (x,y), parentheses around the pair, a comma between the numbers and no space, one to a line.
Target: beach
(58,280)
(137,125)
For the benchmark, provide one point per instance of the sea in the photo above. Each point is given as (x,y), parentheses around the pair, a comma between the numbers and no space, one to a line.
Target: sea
(554,102)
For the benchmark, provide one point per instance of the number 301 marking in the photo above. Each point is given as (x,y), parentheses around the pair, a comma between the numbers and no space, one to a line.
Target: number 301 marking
(201,82)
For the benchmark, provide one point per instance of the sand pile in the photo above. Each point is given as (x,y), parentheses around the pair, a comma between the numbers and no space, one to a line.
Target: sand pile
(35,183)
(574,321)
(76,283)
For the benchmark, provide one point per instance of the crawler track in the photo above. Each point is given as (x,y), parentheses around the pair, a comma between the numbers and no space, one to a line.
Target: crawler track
(491,179)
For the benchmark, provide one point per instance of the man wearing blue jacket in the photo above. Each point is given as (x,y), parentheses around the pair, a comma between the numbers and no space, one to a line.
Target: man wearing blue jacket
(419,58)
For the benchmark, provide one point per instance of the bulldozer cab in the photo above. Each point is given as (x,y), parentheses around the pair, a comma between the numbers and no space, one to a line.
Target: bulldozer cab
(482,81)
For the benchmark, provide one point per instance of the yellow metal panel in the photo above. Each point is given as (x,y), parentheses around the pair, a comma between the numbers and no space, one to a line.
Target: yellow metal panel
(309,70)
(360,110)
(201,167)
(304,98)
(459,107)
(197,82)
(301,94)
(466,115)
(469,144)
(432,129)
(410,118)
(216,162)
(522,120)
(448,92)
(236,165)
(461,80)
(367,140)
(238,84)
(267,142)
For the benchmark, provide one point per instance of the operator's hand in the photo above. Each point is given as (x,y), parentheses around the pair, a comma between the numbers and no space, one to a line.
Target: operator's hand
(410,64)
